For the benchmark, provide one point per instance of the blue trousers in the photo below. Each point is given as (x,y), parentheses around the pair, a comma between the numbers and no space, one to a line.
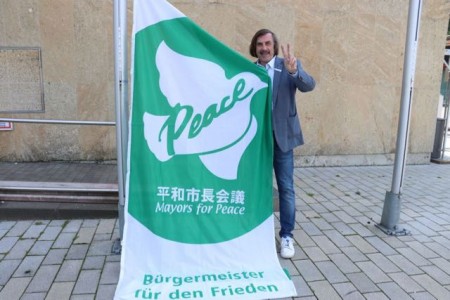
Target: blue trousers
(283,165)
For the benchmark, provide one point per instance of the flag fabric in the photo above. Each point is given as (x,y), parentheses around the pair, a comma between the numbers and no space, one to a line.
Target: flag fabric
(198,213)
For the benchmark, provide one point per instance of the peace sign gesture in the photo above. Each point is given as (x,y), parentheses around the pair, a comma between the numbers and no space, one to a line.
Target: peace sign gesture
(290,62)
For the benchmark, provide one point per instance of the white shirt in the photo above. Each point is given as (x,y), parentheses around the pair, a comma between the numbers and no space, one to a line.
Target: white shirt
(270,68)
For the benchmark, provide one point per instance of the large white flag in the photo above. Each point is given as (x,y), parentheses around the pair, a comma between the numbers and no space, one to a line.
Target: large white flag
(198,215)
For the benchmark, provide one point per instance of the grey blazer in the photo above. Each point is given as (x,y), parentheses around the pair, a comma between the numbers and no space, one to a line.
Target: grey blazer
(285,120)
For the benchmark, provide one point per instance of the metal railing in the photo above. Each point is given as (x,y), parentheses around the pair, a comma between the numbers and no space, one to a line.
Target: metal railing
(67,122)
(63,188)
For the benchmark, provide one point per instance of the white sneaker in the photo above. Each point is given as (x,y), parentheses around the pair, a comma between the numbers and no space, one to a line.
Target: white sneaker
(287,247)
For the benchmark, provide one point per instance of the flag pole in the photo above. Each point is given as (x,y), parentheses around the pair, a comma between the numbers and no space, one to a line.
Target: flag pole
(391,208)
(121,105)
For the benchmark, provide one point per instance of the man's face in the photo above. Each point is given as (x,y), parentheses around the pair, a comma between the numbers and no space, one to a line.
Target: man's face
(264,48)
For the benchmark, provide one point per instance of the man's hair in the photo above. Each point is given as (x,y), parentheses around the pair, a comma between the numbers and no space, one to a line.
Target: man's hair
(255,38)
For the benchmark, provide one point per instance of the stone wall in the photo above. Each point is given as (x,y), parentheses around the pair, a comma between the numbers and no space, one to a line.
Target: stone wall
(353,48)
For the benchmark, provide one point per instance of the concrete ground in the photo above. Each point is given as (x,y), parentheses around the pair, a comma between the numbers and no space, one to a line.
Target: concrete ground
(340,253)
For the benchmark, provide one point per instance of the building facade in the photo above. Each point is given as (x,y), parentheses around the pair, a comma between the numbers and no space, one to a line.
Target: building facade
(57,63)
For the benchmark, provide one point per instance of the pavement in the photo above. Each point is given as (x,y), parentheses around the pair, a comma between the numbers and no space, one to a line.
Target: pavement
(340,252)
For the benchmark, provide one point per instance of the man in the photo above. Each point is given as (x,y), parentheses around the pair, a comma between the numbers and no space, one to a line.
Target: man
(287,77)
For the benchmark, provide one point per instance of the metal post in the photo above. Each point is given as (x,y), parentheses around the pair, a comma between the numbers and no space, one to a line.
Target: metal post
(391,209)
(121,93)
(446,111)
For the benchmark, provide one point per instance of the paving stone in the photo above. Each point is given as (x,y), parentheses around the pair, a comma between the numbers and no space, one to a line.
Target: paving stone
(363,231)
(351,211)
(437,274)
(331,272)
(310,229)
(301,286)
(110,274)
(87,282)
(20,249)
(381,246)
(343,228)
(7,225)
(348,291)
(97,262)
(439,249)
(55,257)
(308,270)
(77,251)
(57,223)
(97,248)
(422,296)
(344,263)
(442,241)
(393,291)
(50,233)
(360,207)
(440,219)
(383,263)
(325,244)
(14,288)
(102,237)
(72,226)
(315,254)
(298,255)
(431,286)
(419,227)
(106,226)
(83,297)
(64,240)
(19,228)
(60,290)
(303,239)
(87,223)
(345,217)
(69,270)
(28,266)
(354,254)
(430,222)
(322,224)
(318,207)
(85,235)
(394,242)
(376,296)
(105,292)
(330,217)
(373,272)
(7,267)
(324,290)
(43,279)
(33,296)
(414,257)
(287,265)
(361,244)
(362,283)
(422,249)
(405,265)
(40,248)
(7,243)
(405,281)
(34,231)
(338,239)
(441,263)
(445,233)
